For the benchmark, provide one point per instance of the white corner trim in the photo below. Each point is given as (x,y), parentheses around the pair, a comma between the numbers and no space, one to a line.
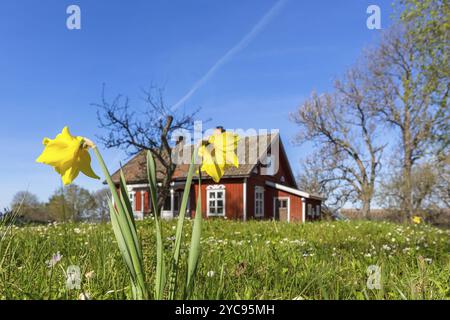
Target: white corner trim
(303,210)
(244,200)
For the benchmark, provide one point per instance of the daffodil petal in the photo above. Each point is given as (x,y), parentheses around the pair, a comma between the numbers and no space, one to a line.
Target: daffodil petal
(70,175)
(85,164)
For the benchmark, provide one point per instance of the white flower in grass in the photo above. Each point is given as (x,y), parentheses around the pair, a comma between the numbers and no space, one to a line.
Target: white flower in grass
(84,296)
(367,255)
(210,274)
(77,230)
(428,260)
(54,260)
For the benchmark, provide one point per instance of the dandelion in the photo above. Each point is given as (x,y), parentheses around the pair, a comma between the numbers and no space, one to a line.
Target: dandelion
(54,260)
(210,274)
(68,155)
(416,220)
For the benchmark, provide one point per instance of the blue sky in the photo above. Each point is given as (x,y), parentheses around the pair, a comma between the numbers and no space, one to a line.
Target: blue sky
(49,75)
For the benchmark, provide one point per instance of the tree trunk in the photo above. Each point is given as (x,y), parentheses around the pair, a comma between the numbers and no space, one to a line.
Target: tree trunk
(365,210)
(407,170)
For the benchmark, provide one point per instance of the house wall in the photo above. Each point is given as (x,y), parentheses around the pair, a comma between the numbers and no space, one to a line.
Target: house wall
(233,197)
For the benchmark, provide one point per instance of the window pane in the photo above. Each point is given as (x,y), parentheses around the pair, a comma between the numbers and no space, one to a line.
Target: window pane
(212,210)
(167,204)
(220,203)
(212,195)
(219,195)
(220,210)
(212,203)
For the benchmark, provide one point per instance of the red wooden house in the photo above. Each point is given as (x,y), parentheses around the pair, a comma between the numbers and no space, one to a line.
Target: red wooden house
(263,187)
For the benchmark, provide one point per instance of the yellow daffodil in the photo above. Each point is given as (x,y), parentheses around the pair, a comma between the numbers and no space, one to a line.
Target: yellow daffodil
(218,154)
(68,155)
(417,220)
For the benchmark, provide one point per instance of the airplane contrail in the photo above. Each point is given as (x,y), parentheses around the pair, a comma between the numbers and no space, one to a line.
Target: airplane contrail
(230,53)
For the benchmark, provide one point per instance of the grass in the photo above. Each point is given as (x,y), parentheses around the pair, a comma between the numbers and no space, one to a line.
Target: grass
(253,260)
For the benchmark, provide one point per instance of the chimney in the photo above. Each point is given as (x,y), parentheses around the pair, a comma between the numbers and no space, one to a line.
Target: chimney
(180,140)
(219,130)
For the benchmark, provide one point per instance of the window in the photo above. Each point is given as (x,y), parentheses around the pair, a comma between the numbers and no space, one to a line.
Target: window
(216,200)
(282,203)
(310,210)
(167,206)
(259,202)
(131,197)
(318,211)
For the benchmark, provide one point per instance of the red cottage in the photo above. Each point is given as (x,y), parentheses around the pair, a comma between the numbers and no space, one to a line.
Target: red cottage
(263,187)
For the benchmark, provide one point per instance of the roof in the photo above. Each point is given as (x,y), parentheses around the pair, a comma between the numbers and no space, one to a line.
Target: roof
(135,169)
(294,191)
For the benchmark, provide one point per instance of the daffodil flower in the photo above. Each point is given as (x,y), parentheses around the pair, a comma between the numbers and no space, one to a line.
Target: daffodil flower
(218,154)
(417,220)
(68,155)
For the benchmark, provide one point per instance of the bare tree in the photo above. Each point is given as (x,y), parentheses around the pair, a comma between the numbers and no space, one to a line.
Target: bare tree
(149,130)
(318,176)
(341,124)
(412,97)
(28,207)
(430,188)
(101,198)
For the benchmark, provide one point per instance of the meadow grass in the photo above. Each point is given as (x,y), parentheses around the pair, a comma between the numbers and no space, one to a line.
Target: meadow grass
(252,260)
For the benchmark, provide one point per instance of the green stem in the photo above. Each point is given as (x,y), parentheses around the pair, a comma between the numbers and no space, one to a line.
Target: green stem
(132,254)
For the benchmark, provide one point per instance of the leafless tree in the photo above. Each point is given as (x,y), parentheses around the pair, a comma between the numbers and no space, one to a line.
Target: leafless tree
(318,176)
(149,130)
(413,98)
(430,188)
(101,198)
(341,125)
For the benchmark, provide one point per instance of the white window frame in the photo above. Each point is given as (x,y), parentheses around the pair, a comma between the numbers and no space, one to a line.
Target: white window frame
(215,189)
(132,198)
(259,190)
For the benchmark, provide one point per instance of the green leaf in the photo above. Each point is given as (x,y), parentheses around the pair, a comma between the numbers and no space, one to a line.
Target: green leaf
(160,280)
(125,232)
(194,250)
(179,231)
